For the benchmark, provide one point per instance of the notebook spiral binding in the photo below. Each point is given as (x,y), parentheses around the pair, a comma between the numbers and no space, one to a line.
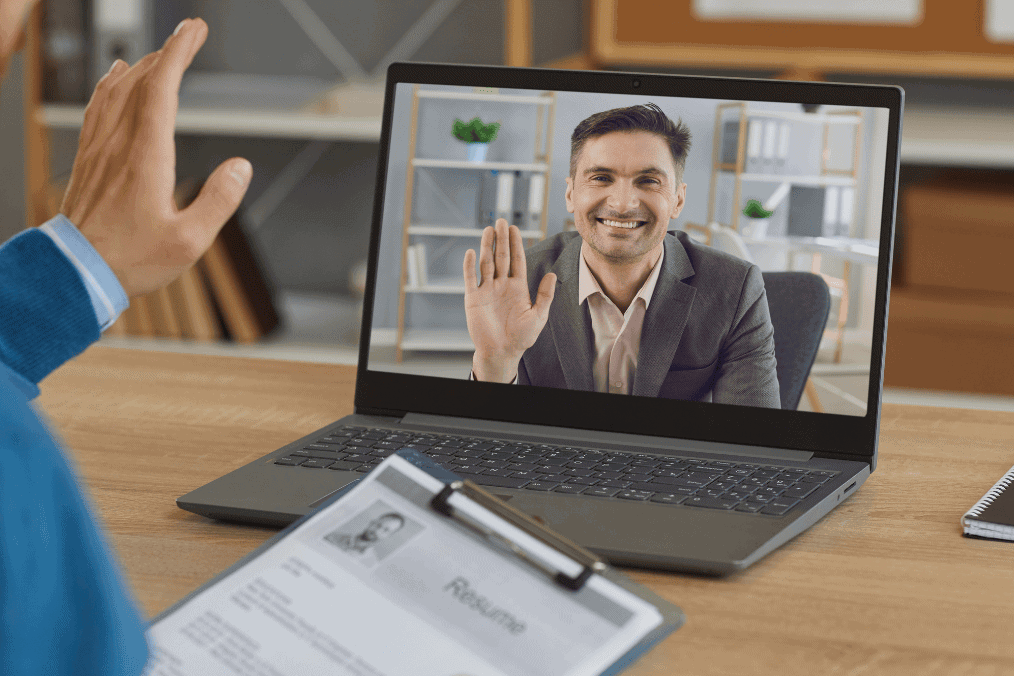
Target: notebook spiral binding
(998,488)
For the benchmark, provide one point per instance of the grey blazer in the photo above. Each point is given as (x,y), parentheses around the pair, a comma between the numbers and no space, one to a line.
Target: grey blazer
(707,334)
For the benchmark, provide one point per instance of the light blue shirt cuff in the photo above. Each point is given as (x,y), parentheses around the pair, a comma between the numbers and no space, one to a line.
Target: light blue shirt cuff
(107,295)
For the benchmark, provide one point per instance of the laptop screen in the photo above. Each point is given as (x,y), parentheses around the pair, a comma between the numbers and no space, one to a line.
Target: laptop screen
(653,243)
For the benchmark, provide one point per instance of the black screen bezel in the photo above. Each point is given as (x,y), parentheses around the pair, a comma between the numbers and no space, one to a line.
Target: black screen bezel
(824,434)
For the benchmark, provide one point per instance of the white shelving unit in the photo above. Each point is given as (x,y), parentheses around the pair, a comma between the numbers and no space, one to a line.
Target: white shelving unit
(799,180)
(744,113)
(449,285)
(481,96)
(451,231)
(421,163)
(290,124)
(828,176)
(430,340)
(232,104)
(457,339)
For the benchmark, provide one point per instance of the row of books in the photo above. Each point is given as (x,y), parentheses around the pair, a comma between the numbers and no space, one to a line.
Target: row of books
(224,296)
(216,299)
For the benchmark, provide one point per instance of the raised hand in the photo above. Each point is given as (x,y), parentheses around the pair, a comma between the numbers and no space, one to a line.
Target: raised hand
(502,320)
(121,187)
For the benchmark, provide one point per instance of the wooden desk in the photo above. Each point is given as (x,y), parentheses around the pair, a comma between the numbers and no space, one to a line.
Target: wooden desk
(885,584)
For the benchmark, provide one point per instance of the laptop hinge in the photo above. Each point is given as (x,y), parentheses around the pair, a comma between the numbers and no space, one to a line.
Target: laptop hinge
(381,412)
(608,440)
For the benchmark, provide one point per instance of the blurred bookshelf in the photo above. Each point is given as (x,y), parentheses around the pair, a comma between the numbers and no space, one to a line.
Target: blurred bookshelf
(319,328)
(229,104)
(242,122)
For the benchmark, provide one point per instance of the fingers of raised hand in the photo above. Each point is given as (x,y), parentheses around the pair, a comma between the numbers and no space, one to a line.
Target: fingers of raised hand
(468,268)
(544,297)
(103,120)
(109,107)
(502,255)
(218,200)
(519,265)
(94,114)
(486,266)
(163,88)
(180,49)
(94,111)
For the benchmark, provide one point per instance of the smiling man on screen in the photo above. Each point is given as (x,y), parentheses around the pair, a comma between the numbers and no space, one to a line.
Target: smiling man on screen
(630,308)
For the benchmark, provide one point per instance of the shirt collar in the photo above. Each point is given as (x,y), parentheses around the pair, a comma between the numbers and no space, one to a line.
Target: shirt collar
(588,285)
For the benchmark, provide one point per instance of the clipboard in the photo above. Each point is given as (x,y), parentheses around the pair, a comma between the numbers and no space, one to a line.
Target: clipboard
(505,530)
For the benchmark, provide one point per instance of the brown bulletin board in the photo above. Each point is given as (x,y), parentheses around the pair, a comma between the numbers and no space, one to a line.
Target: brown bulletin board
(949,41)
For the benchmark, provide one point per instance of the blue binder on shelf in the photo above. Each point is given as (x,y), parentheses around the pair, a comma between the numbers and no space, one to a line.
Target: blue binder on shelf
(374,531)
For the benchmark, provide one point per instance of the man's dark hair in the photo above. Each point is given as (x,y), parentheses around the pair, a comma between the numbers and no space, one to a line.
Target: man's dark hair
(647,117)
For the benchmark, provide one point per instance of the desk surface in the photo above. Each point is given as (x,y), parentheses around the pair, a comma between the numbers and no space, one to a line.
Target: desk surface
(885,584)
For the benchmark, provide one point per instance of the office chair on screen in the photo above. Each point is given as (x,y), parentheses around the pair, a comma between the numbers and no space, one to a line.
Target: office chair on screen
(799,303)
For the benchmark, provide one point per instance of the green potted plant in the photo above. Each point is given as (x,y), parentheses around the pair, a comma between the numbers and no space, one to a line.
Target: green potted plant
(476,135)
(757,226)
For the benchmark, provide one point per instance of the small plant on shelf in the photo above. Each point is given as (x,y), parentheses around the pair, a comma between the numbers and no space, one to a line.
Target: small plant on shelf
(475,131)
(757,227)
(754,209)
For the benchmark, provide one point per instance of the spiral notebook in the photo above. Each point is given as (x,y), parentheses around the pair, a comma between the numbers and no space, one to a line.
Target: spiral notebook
(993,516)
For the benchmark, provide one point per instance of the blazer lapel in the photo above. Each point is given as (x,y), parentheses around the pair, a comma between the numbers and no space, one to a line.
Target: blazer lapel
(570,323)
(665,320)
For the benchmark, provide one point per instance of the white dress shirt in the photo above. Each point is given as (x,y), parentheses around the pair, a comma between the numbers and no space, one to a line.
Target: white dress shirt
(617,334)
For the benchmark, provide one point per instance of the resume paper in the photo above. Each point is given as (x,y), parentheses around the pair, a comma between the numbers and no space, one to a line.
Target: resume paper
(379,584)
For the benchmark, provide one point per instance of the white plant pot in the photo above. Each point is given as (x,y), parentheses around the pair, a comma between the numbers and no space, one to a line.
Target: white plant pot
(477,152)
(755,228)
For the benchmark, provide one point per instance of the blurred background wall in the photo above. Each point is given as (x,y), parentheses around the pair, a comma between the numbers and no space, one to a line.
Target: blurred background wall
(308,210)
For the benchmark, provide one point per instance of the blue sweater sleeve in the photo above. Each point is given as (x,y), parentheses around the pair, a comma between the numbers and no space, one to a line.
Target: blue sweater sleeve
(64,608)
(46,315)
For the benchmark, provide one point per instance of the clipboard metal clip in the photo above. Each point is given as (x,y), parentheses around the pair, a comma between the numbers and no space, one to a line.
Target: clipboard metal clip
(589,563)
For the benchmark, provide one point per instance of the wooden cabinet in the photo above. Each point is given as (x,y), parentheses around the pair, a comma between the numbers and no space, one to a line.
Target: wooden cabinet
(959,234)
(952,313)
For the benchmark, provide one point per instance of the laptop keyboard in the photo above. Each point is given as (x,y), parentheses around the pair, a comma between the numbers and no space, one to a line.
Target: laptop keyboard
(711,484)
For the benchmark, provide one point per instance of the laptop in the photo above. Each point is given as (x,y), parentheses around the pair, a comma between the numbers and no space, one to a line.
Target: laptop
(695,459)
